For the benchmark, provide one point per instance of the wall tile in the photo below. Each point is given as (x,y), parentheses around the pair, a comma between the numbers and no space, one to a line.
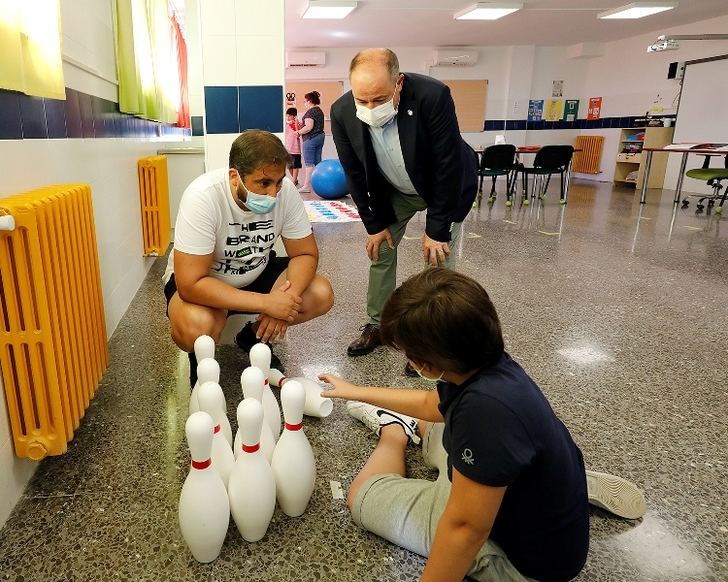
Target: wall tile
(55,110)
(197,125)
(10,124)
(33,117)
(73,114)
(260,60)
(87,114)
(218,17)
(221,107)
(264,18)
(261,108)
(219,60)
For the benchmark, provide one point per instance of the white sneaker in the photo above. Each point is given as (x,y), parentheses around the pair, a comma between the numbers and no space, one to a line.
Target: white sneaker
(374,418)
(615,494)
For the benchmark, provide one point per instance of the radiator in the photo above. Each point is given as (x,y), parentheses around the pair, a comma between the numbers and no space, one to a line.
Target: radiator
(154,197)
(53,348)
(588,160)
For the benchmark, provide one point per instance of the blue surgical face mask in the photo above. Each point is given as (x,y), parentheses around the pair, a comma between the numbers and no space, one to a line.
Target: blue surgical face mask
(419,371)
(259,203)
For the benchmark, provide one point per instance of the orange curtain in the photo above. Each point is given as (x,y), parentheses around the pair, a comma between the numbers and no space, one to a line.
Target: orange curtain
(183,113)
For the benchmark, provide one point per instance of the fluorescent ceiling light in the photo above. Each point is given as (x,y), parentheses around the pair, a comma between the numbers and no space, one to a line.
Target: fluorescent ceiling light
(329,9)
(638,10)
(488,10)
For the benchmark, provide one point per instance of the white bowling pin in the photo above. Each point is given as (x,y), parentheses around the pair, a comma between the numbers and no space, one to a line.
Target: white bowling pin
(294,466)
(219,416)
(260,358)
(211,400)
(208,370)
(252,382)
(204,510)
(252,488)
(316,405)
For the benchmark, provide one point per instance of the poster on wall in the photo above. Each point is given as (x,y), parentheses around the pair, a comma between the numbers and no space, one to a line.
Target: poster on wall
(571,109)
(552,110)
(595,108)
(557,89)
(535,110)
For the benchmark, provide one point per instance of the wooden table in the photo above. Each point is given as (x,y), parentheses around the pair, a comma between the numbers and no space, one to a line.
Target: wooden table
(685,152)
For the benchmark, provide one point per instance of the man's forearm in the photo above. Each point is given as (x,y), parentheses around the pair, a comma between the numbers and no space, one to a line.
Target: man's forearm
(215,293)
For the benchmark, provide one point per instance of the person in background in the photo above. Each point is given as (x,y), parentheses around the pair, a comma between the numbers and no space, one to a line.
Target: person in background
(312,134)
(293,142)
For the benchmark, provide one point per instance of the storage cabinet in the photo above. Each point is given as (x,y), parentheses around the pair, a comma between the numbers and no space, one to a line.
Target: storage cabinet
(630,165)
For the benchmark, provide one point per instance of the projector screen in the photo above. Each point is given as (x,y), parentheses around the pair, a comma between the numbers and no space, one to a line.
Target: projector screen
(702,114)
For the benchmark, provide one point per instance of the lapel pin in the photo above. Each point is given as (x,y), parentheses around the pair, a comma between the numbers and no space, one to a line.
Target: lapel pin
(409,112)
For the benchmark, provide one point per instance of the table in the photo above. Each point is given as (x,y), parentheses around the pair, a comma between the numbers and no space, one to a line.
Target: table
(683,162)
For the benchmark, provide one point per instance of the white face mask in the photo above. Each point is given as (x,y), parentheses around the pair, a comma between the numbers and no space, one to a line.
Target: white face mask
(380,116)
(419,371)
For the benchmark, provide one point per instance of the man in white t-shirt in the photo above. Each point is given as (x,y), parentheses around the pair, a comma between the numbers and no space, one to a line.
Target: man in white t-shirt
(222,262)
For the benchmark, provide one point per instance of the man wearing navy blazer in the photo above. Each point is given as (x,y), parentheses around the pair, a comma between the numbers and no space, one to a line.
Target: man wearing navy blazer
(398,141)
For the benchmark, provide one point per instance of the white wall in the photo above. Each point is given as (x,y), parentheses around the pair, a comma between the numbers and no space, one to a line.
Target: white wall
(109,165)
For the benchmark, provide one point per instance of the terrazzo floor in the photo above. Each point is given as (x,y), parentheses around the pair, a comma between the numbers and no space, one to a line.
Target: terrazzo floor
(618,311)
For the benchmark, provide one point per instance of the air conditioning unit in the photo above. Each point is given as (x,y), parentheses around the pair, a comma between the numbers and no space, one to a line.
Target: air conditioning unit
(454,58)
(305,59)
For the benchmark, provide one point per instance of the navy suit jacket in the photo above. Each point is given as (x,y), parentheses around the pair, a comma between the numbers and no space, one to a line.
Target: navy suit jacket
(442,167)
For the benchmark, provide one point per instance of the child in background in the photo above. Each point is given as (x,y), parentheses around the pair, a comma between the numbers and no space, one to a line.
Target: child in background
(293,142)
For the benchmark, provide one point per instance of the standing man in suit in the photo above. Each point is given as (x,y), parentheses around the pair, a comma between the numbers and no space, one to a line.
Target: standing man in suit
(398,140)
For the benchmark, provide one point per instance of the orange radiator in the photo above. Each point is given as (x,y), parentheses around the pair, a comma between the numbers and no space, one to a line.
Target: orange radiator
(154,195)
(588,160)
(53,348)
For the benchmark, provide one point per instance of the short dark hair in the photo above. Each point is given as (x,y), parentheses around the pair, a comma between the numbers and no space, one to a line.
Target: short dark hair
(291,111)
(254,148)
(313,97)
(384,56)
(445,319)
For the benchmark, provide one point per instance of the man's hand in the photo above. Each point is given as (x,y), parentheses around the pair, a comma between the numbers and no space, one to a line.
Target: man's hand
(375,240)
(281,304)
(342,388)
(434,252)
(270,328)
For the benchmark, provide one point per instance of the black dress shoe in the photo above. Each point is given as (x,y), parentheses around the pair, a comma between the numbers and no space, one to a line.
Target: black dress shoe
(366,342)
(246,339)
(410,371)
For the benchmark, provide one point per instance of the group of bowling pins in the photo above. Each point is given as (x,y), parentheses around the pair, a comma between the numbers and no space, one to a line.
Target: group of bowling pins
(245,475)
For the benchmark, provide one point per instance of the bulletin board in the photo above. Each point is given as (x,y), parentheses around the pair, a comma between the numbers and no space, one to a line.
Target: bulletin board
(330,92)
(470,98)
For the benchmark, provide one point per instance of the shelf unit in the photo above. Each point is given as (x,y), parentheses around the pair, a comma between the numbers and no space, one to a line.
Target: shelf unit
(631,158)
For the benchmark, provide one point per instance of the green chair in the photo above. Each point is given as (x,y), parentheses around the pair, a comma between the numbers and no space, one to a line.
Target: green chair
(713,177)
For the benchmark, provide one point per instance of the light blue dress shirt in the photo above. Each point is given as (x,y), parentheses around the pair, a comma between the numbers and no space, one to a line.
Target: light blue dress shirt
(388,151)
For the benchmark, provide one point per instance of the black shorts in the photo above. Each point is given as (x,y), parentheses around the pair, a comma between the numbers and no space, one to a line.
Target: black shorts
(263,284)
(295,161)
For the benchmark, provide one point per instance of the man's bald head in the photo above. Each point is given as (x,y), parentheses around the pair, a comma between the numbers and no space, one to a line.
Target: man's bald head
(374,76)
(375,58)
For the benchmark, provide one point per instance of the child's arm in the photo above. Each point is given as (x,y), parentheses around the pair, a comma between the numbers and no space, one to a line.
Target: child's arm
(417,403)
(463,528)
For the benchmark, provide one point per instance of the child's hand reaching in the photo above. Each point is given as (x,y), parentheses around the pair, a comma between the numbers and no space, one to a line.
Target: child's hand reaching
(342,388)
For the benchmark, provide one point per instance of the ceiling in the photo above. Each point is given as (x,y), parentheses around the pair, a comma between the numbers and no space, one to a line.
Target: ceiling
(402,23)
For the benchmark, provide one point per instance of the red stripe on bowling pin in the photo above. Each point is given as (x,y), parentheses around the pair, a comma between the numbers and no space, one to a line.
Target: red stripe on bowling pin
(201,464)
(294,427)
(250,448)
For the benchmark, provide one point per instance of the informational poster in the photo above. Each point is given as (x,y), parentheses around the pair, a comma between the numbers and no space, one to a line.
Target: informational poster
(535,110)
(595,108)
(571,109)
(552,110)
(558,89)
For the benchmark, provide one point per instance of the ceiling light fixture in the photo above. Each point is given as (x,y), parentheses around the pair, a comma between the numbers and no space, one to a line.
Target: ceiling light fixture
(488,10)
(329,9)
(638,10)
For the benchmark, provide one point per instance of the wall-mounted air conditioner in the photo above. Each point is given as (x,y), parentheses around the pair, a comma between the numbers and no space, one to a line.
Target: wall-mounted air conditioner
(454,58)
(305,59)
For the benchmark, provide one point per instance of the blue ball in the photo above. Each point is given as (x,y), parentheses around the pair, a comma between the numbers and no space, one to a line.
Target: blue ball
(328,180)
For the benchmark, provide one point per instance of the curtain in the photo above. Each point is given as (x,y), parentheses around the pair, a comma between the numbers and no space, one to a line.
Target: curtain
(183,113)
(30,45)
(147,67)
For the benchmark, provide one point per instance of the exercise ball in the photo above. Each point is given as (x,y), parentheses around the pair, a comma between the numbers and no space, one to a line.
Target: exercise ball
(328,180)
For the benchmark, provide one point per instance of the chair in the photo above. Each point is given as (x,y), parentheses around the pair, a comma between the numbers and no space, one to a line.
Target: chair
(551,159)
(497,160)
(713,177)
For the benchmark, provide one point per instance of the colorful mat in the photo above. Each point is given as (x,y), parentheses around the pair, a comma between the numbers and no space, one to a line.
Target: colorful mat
(330,211)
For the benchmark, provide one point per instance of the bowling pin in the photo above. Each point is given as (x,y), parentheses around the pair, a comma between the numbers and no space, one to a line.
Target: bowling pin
(316,405)
(208,370)
(252,488)
(211,401)
(294,466)
(204,509)
(219,416)
(252,382)
(260,358)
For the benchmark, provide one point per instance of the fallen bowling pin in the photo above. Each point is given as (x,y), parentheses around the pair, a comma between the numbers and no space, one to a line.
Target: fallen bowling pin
(208,370)
(204,509)
(252,382)
(252,487)
(260,358)
(316,405)
(219,416)
(294,466)
(211,401)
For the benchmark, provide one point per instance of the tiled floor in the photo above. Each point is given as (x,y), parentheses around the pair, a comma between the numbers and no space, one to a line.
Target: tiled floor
(619,312)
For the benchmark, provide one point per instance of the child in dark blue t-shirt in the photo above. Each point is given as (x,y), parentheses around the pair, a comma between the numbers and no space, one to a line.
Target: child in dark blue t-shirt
(511,500)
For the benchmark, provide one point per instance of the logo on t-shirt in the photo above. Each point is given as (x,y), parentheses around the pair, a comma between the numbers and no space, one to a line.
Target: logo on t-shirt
(468,457)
